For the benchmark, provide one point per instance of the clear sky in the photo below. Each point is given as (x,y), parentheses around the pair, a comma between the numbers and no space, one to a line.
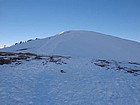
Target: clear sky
(21,20)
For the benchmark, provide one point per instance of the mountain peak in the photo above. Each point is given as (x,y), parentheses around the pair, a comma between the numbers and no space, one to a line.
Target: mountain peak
(76,32)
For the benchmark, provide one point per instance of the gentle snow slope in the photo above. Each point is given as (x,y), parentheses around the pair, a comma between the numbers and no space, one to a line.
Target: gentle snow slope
(38,82)
(83,44)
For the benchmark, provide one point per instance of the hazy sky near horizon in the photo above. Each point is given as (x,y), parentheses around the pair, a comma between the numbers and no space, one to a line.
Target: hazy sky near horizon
(21,20)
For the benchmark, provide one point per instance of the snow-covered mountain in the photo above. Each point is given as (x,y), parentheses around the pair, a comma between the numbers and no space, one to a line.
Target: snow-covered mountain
(83,44)
(71,68)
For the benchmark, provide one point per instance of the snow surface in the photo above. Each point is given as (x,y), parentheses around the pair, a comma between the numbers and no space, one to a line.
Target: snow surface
(83,44)
(84,81)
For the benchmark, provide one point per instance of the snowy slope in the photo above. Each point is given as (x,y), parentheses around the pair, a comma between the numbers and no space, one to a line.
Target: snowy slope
(39,82)
(71,68)
(83,44)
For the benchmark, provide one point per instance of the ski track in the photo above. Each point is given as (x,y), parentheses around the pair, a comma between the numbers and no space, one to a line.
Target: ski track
(33,83)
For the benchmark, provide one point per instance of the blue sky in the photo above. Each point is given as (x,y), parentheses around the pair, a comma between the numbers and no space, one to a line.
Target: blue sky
(21,20)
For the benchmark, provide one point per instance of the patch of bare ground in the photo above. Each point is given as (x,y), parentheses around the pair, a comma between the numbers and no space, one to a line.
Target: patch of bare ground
(10,57)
